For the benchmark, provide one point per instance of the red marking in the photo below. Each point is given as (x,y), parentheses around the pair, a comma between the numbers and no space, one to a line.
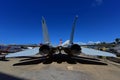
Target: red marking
(60,41)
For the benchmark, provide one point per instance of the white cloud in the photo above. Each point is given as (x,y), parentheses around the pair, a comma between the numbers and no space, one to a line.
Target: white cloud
(88,43)
(81,43)
(97,3)
(92,42)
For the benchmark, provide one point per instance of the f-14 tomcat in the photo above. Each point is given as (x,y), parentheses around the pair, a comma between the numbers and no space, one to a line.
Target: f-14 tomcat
(71,49)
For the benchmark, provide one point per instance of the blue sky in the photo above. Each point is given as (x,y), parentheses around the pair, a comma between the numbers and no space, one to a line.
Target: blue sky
(20,20)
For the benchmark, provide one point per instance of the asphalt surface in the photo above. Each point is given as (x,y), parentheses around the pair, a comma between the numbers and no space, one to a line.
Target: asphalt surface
(39,69)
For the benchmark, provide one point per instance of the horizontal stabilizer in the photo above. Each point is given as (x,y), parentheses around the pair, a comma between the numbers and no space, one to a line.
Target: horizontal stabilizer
(28,52)
(89,51)
(66,43)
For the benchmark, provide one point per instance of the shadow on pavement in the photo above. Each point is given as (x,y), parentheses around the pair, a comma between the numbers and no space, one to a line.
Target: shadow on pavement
(4,76)
(59,58)
(113,59)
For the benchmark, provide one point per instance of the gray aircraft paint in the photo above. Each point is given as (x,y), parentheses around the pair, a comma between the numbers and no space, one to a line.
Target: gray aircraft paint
(45,31)
(73,30)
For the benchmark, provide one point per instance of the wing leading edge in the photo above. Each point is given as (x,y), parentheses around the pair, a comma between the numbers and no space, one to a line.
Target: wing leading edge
(89,51)
(28,52)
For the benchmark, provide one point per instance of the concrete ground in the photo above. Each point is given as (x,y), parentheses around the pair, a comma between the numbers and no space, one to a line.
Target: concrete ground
(37,69)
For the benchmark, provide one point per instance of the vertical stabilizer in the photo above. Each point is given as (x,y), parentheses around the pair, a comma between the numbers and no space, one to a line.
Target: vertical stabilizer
(45,31)
(73,29)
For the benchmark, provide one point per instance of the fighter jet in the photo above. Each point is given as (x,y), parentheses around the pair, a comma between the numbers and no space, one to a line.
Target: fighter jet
(48,49)
(70,48)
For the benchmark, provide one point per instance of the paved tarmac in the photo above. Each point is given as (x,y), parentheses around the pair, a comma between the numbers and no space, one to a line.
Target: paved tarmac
(37,69)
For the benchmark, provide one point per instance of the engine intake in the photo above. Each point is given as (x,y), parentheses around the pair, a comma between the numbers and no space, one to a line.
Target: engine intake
(75,49)
(44,49)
